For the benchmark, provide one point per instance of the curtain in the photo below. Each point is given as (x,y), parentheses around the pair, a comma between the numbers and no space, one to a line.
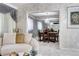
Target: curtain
(13,15)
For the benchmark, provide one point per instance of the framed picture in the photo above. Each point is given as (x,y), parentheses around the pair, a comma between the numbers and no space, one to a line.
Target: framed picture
(73,17)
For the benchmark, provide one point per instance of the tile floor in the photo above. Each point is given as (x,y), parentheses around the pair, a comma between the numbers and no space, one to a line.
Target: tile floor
(52,49)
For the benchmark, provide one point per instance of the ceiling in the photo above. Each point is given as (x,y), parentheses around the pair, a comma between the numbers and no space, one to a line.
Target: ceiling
(52,16)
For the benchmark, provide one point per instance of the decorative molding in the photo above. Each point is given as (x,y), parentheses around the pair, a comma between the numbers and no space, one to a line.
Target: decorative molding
(10,5)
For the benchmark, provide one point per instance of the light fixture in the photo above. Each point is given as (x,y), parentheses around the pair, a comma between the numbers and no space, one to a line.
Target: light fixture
(47,21)
(51,23)
(45,13)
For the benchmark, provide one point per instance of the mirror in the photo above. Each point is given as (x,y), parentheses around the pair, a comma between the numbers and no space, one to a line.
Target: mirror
(7,19)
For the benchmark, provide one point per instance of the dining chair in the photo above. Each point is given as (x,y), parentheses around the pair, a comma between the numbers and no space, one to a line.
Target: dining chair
(52,36)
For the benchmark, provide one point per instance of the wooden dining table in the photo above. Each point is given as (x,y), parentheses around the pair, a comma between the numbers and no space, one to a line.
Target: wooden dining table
(52,36)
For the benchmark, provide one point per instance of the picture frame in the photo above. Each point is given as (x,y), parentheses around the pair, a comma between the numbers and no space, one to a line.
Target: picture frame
(73,17)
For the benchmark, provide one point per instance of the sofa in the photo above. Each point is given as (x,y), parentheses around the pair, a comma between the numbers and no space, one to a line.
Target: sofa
(8,44)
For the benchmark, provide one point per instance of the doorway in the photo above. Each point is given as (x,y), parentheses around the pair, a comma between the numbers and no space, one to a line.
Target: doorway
(44,26)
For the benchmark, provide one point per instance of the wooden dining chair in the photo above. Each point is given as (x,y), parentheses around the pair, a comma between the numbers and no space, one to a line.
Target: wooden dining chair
(40,35)
(46,36)
(52,36)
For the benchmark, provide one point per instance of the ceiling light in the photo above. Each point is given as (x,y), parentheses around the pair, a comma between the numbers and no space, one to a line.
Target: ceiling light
(45,13)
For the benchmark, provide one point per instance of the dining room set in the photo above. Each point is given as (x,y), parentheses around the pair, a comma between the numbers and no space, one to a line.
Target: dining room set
(48,35)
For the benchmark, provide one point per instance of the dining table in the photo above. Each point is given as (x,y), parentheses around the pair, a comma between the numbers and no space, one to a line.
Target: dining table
(51,36)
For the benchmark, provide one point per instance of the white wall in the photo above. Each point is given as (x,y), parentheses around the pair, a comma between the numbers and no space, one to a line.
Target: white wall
(69,38)
(21,20)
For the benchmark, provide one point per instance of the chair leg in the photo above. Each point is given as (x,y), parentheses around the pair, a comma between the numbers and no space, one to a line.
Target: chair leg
(43,39)
(48,40)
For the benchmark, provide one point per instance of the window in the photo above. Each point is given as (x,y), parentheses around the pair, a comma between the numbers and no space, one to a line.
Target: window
(1,20)
(29,24)
(39,24)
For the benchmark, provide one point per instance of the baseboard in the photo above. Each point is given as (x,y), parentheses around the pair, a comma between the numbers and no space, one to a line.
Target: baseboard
(73,49)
